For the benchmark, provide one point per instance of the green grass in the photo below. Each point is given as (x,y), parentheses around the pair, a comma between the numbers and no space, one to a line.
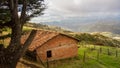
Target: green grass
(105,61)
(108,61)
(91,61)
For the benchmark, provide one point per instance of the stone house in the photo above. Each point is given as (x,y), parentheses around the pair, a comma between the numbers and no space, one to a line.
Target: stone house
(52,45)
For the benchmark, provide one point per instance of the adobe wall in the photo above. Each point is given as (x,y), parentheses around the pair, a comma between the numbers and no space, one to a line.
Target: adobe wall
(61,47)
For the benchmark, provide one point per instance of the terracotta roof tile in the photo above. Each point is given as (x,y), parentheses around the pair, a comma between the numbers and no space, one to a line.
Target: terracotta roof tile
(40,38)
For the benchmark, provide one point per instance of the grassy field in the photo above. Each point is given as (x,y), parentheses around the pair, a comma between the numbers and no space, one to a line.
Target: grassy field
(89,56)
(92,60)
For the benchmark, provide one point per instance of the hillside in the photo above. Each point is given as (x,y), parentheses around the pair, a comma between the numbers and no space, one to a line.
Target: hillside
(97,39)
(86,40)
(100,38)
(47,27)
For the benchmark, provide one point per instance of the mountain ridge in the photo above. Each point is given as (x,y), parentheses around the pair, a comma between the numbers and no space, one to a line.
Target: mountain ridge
(89,26)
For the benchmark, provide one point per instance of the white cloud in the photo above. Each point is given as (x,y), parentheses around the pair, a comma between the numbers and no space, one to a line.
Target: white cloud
(86,6)
(62,9)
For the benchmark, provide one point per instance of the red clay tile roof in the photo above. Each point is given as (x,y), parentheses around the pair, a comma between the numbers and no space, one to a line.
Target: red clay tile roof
(40,38)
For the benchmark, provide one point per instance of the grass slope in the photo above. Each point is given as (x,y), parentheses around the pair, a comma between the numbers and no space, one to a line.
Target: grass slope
(86,45)
(91,61)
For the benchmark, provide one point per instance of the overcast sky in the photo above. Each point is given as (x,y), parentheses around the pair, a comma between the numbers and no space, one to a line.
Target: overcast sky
(64,9)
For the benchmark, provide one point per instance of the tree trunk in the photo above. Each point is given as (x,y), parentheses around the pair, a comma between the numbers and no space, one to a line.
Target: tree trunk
(8,56)
(11,55)
(9,59)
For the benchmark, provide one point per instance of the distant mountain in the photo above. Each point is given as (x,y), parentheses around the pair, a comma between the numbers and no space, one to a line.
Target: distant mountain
(89,25)
(113,27)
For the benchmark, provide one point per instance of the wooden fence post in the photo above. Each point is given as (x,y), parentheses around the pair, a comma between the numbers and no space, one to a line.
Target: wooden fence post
(98,54)
(84,56)
(100,50)
(108,51)
(116,53)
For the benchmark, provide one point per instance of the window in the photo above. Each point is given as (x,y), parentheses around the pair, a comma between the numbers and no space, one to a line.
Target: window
(49,54)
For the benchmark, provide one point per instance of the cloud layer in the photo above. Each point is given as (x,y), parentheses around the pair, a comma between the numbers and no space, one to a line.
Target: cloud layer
(63,9)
